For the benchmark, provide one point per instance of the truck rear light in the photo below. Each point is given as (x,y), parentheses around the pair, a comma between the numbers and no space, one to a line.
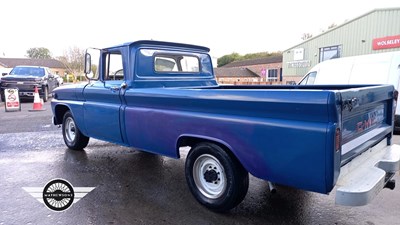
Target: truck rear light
(337,139)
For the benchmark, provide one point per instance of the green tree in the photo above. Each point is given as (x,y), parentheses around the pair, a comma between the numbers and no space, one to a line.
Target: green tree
(237,57)
(38,53)
(228,59)
(260,55)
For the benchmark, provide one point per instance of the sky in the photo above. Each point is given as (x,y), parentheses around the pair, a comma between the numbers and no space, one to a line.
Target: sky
(225,26)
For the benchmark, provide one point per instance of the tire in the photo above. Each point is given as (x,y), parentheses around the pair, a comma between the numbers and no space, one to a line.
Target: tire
(216,179)
(73,138)
(45,94)
(396,128)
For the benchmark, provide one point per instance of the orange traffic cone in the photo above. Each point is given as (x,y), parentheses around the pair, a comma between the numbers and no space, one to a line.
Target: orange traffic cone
(37,102)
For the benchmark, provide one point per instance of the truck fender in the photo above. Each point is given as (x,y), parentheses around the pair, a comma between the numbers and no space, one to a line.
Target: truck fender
(59,112)
(193,139)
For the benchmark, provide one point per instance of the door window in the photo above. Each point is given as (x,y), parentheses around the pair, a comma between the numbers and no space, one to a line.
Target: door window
(114,67)
(309,79)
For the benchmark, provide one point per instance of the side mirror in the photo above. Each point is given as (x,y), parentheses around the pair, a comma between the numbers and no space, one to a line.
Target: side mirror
(92,62)
(3,74)
(88,64)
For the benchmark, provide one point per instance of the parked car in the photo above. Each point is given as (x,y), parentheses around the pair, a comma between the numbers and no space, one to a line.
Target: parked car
(3,72)
(25,78)
(60,80)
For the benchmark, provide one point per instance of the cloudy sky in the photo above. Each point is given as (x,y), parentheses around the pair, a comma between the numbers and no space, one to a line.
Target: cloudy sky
(225,26)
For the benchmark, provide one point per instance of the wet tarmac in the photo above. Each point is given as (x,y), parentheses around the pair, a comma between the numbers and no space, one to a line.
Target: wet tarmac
(133,187)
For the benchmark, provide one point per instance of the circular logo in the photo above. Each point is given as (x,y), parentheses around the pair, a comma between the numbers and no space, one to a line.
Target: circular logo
(12,97)
(58,195)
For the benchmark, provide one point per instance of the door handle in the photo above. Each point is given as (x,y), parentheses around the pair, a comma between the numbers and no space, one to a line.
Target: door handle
(124,85)
(114,88)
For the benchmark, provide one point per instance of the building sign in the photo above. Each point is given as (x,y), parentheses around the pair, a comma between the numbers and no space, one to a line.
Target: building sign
(386,42)
(263,72)
(298,54)
(299,64)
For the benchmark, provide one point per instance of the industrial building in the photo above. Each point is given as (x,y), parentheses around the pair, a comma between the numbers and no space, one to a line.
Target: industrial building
(374,32)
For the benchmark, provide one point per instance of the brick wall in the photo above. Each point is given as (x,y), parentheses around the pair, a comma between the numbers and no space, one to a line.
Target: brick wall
(59,71)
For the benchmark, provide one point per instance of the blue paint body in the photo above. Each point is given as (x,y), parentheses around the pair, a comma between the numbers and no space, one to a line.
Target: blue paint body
(284,134)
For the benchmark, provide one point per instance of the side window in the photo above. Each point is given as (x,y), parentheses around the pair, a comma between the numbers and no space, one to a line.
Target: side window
(114,67)
(176,63)
(309,78)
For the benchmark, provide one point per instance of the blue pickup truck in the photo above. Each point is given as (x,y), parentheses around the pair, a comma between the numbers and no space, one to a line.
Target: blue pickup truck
(160,97)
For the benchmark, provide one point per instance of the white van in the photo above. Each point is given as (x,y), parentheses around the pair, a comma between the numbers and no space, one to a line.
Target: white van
(381,68)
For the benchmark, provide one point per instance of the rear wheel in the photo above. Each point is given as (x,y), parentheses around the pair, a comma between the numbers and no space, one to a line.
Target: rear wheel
(216,179)
(73,138)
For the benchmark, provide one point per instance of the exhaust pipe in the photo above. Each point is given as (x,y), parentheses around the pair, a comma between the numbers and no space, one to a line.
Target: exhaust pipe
(272,188)
(391,184)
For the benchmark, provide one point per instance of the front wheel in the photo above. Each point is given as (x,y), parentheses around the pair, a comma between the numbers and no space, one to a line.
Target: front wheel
(216,179)
(73,137)
(45,94)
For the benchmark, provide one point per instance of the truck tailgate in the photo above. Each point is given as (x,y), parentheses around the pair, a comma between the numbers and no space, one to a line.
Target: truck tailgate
(368,161)
(367,116)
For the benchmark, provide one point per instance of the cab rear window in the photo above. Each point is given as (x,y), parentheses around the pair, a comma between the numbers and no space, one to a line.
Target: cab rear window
(176,63)
(170,64)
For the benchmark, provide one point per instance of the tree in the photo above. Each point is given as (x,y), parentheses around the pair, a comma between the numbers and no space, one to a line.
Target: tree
(306,36)
(260,55)
(38,53)
(73,60)
(228,59)
(237,57)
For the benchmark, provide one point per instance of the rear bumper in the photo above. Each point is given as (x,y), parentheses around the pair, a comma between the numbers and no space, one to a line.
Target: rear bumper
(365,176)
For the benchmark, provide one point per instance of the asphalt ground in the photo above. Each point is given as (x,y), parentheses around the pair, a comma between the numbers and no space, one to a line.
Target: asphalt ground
(133,187)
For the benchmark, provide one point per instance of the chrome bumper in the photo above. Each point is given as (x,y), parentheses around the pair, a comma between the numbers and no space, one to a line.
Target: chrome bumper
(364,177)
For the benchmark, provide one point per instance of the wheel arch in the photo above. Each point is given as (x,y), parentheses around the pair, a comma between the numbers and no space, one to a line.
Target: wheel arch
(192,140)
(59,112)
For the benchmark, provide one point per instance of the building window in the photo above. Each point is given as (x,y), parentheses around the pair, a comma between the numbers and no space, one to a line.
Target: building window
(331,52)
(272,75)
